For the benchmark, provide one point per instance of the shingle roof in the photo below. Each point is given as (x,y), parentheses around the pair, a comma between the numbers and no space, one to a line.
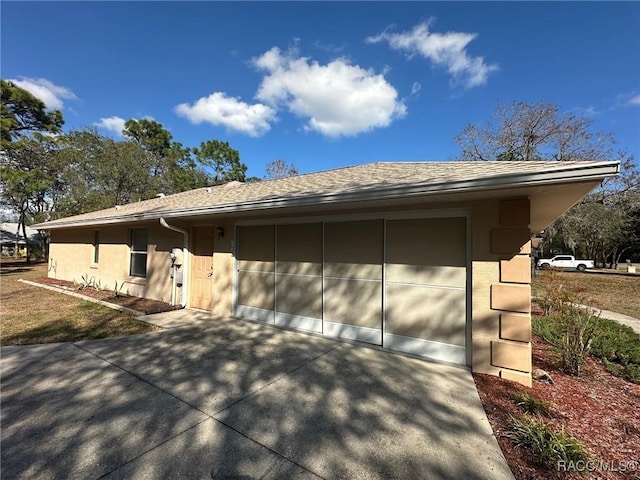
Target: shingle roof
(341,183)
(8,233)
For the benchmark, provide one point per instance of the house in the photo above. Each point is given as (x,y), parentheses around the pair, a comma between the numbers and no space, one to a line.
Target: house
(431,259)
(10,236)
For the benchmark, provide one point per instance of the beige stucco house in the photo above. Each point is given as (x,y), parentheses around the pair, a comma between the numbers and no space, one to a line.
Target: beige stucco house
(431,259)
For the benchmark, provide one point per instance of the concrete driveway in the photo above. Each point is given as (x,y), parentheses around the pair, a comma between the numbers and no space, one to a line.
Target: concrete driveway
(233,399)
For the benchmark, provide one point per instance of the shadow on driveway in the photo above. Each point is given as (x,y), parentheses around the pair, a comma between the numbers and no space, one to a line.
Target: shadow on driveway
(235,399)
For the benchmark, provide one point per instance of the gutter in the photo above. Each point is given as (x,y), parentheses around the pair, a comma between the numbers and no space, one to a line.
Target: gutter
(185,260)
(570,173)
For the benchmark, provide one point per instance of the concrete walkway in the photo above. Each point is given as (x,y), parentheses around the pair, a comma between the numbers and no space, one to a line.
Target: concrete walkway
(632,322)
(221,398)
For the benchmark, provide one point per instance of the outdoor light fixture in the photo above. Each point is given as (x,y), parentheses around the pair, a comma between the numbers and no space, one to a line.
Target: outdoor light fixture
(220,232)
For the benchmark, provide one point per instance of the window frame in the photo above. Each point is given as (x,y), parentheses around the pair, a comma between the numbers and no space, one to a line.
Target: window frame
(137,253)
(96,247)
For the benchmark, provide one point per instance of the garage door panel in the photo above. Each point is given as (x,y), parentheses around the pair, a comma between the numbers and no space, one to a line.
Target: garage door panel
(355,242)
(427,275)
(298,295)
(427,313)
(353,302)
(256,265)
(256,290)
(299,268)
(427,241)
(256,243)
(353,270)
(299,243)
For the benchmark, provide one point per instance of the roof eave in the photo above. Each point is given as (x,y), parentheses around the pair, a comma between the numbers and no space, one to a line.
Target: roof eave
(570,173)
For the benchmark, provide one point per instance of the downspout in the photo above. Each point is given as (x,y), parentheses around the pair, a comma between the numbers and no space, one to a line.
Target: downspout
(185,260)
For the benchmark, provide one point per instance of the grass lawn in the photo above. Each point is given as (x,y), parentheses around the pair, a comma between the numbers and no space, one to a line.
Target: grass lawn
(618,293)
(35,315)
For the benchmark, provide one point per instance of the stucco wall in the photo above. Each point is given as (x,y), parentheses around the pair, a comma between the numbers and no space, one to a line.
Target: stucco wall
(501,320)
(500,273)
(71,256)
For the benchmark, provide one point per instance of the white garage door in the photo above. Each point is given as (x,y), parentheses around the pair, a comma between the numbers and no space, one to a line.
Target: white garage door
(399,283)
(425,287)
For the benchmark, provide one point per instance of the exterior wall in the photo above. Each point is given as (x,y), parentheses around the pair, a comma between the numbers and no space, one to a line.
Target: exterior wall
(71,257)
(499,286)
(501,318)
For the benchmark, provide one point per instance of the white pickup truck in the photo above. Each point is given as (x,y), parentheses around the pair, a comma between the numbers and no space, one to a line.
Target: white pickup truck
(565,261)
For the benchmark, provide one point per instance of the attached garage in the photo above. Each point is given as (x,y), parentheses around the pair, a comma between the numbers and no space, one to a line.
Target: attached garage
(397,282)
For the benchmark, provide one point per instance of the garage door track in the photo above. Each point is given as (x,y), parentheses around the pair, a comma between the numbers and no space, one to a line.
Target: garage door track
(233,399)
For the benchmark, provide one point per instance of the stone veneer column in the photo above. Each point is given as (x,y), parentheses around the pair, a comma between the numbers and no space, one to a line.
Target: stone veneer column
(511,297)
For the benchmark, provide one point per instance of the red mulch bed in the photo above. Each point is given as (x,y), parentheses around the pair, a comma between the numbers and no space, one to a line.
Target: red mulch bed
(143,305)
(601,410)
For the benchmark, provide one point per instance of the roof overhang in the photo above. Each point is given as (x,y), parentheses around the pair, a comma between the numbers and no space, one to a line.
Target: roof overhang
(553,191)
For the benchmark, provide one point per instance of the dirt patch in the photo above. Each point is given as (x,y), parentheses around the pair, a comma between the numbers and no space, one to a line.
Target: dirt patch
(599,409)
(143,305)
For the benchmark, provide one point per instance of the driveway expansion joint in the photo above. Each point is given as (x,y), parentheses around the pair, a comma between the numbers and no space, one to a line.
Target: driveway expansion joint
(207,415)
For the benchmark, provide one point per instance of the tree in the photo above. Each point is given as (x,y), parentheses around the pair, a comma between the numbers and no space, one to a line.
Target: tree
(25,173)
(604,225)
(22,113)
(98,172)
(224,160)
(279,169)
(27,176)
(172,167)
(535,131)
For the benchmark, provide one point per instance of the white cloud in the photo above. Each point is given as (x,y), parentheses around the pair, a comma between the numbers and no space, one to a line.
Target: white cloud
(415,88)
(446,50)
(627,99)
(52,95)
(218,109)
(337,99)
(634,100)
(114,124)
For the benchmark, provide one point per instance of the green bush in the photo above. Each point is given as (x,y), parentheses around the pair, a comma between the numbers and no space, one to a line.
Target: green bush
(533,405)
(571,332)
(547,445)
(617,345)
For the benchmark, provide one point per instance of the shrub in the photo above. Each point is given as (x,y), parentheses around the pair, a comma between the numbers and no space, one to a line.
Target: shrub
(547,445)
(533,405)
(571,332)
(556,297)
(577,335)
(618,346)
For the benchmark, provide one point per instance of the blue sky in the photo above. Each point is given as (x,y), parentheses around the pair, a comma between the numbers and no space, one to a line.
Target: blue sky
(325,85)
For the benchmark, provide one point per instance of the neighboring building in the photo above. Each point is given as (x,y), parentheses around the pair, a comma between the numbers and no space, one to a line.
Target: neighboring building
(431,259)
(10,237)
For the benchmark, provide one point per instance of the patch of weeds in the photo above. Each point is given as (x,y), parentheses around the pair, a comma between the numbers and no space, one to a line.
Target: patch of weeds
(85,282)
(548,446)
(533,405)
(117,289)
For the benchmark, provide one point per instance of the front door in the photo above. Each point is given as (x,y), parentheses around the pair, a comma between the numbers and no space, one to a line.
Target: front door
(202,268)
